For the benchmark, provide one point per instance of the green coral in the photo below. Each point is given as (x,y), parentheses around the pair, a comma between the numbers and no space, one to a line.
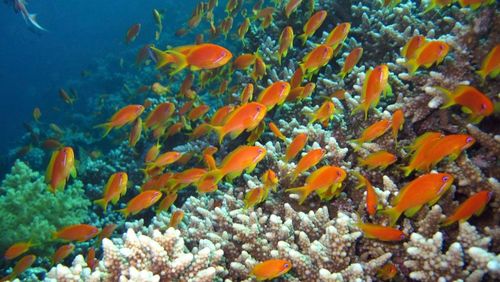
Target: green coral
(29,211)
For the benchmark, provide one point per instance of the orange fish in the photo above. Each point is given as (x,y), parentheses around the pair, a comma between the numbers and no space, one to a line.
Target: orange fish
(274,128)
(387,272)
(420,147)
(114,189)
(475,204)
(221,114)
(165,159)
(301,92)
(311,159)
(106,231)
(198,112)
(152,153)
(243,29)
(91,260)
(200,130)
(245,117)
(285,42)
(37,114)
(176,218)
(437,3)
(491,64)
(379,159)
(295,146)
(259,69)
(244,61)
(371,196)
(474,4)
(270,180)
(254,197)
(247,93)
(373,132)
(473,102)
(397,121)
(51,144)
(339,94)
(312,25)
(125,115)
(197,57)
(61,166)
(324,114)
(159,89)
(23,264)
(174,129)
(376,82)
(62,252)
(242,158)
(432,52)
(76,232)
(325,181)
(65,97)
(140,202)
(17,249)
(185,108)
(291,6)
(159,116)
(135,132)
(317,58)
(274,94)
(297,77)
(350,61)
(337,36)
(132,33)
(142,55)
(424,139)
(271,269)
(382,233)
(412,46)
(167,202)
(187,177)
(426,189)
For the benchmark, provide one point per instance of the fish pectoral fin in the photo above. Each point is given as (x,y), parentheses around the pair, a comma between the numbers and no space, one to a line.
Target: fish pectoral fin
(235,134)
(412,211)
(251,168)
(466,110)
(73,172)
(480,211)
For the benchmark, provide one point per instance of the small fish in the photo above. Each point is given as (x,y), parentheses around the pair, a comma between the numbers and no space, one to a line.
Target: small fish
(274,94)
(431,52)
(297,77)
(337,36)
(76,232)
(256,133)
(475,204)
(174,129)
(350,61)
(316,59)
(65,97)
(152,153)
(324,114)
(491,64)
(382,233)
(106,231)
(245,117)
(23,264)
(52,144)
(295,146)
(165,159)
(379,159)
(387,272)
(124,116)
(167,202)
(221,114)
(426,189)
(325,181)
(132,33)
(17,249)
(60,168)
(158,18)
(176,218)
(243,29)
(285,42)
(291,6)
(270,180)
(259,69)
(312,25)
(187,177)
(242,158)
(274,128)
(473,102)
(159,89)
(198,112)
(114,189)
(159,116)
(37,114)
(311,159)
(375,83)
(142,55)
(409,50)
(270,269)
(301,92)
(426,138)
(371,196)
(244,61)
(254,197)
(247,94)
(135,132)
(91,260)
(196,57)
(62,252)
(373,132)
(397,121)
(141,202)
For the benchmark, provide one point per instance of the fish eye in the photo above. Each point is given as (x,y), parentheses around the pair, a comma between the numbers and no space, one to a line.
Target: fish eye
(286,265)
(469,139)
(402,236)
(338,173)
(445,178)
(483,106)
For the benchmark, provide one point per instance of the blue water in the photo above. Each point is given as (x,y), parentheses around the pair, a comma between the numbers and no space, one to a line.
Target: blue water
(33,66)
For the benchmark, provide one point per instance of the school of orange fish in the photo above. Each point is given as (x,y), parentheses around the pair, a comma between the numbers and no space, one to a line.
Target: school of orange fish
(206,62)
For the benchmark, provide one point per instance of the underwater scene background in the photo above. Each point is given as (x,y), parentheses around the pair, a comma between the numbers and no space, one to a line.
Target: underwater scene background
(250,140)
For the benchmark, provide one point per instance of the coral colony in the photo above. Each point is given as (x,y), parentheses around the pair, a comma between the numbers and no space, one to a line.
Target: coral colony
(276,140)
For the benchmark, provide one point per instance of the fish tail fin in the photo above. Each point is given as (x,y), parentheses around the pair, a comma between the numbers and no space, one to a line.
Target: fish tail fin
(102,203)
(393,215)
(342,74)
(411,66)
(429,8)
(162,58)
(178,59)
(279,58)
(359,108)
(447,221)
(106,126)
(219,131)
(407,170)
(303,192)
(303,37)
(448,97)
(482,74)
(124,212)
